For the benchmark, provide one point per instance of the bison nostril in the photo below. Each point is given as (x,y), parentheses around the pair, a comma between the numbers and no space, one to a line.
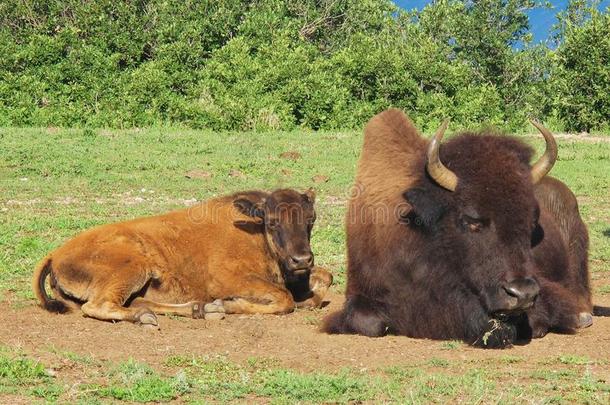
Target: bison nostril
(525,290)
(305,260)
(513,291)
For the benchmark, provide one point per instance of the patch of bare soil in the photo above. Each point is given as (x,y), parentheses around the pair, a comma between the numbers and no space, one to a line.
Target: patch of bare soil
(293,340)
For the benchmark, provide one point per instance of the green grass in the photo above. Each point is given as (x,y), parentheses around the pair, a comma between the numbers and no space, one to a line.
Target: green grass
(22,375)
(54,184)
(190,379)
(57,183)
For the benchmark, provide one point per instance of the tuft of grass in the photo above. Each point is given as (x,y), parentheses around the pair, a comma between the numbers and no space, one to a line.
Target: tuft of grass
(137,382)
(291,386)
(451,345)
(605,289)
(508,359)
(571,359)
(75,357)
(438,362)
(23,376)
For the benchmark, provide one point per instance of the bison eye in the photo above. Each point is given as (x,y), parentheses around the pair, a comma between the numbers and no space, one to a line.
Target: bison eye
(273,224)
(472,224)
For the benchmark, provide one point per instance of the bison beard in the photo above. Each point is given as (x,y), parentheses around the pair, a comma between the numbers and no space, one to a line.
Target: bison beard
(469,248)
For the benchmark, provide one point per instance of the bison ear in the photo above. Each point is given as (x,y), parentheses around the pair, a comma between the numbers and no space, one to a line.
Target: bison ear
(427,208)
(309,195)
(250,208)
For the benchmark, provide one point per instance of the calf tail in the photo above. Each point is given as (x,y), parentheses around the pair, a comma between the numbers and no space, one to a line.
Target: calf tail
(335,323)
(43,270)
(601,311)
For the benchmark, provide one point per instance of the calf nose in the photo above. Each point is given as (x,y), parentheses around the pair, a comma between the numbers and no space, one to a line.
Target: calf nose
(525,290)
(301,261)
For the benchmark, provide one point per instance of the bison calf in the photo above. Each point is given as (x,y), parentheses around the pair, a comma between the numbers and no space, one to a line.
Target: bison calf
(245,253)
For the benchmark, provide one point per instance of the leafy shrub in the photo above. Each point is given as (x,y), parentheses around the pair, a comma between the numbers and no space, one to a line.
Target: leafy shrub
(264,64)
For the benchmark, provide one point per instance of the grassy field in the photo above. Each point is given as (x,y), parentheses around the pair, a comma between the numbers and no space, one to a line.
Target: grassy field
(55,183)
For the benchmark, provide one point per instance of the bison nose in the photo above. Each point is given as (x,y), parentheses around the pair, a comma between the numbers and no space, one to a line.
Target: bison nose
(525,290)
(302,261)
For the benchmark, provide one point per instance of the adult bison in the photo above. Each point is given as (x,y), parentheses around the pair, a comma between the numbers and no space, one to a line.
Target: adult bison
(464,241)
(244,253)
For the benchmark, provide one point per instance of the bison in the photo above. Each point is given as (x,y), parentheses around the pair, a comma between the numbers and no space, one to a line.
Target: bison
(465,241)
(244,253)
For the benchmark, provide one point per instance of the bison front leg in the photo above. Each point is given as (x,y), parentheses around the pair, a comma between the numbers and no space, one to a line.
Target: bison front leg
(320,281)
(557,309)
(258,296)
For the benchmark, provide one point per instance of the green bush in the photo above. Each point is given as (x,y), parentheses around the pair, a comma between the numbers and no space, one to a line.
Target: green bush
(269,64)
(582,76)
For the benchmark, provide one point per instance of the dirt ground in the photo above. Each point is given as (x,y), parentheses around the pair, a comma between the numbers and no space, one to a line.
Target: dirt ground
(292,340)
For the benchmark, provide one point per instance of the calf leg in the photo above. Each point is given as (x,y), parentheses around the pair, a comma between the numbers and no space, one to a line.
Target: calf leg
(110,292)
(320,281)
(196,309)
(258,296)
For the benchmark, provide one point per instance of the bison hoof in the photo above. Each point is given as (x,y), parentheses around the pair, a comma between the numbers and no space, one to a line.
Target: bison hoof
(540,332)
(585,320)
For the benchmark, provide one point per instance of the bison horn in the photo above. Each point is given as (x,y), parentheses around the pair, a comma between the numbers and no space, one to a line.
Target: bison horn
(547,160)
(435,168)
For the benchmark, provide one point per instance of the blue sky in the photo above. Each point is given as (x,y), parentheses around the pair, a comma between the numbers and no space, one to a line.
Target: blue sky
(541,19)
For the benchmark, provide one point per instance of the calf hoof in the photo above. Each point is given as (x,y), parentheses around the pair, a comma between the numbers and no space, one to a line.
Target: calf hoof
(214,316)
(214,310)
(211,310)
(214,307)
(310,303)
(585,320)
(147,319)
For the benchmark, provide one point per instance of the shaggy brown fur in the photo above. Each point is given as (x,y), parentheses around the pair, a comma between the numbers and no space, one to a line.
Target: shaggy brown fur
(427,262)
(245,253)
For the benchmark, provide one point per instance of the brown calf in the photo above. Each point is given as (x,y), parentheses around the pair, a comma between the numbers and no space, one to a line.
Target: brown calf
(245,253)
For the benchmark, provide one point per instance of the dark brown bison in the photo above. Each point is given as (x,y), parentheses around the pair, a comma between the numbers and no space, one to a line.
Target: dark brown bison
(464,241)
(245,253)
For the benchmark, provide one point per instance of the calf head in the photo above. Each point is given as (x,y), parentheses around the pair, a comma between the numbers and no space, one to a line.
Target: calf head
(288,218)
(477,209)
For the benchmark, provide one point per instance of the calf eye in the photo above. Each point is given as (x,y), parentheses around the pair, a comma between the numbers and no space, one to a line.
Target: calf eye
(273,224)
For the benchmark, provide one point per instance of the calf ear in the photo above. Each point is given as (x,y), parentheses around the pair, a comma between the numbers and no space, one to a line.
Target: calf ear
(250,208)
(427,209)
(309,195)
